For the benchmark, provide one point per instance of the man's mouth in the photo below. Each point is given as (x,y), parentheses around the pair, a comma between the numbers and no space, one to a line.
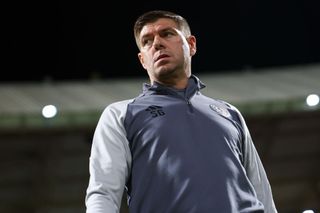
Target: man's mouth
(161,57)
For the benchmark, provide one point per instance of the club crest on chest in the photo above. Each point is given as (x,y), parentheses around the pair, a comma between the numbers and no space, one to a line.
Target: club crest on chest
(221,111)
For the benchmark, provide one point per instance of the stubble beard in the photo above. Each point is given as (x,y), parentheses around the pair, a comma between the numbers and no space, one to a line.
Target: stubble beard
(168,75)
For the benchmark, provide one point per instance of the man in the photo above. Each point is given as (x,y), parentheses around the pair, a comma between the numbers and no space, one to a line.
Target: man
(173,149)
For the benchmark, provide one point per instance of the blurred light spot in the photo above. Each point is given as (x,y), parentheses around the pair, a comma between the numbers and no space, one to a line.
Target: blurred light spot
(49,111)
(308,211)
(312,100)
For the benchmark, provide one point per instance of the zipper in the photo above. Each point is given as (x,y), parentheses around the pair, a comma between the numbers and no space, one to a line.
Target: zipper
(187,100)
(189,105)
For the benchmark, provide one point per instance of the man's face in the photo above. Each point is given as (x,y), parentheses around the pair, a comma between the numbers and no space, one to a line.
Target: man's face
(164,50)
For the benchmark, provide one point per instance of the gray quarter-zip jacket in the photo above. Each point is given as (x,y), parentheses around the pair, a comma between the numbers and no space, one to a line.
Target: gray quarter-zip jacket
(175,152)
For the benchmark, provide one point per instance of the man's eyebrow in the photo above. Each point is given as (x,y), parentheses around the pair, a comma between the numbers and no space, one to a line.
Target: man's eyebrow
(161,30)
(168,29)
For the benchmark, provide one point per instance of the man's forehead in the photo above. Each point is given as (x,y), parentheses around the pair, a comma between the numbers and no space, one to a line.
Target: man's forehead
(158,25)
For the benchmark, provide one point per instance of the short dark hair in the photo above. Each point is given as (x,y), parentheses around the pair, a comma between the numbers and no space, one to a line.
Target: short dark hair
(152,16)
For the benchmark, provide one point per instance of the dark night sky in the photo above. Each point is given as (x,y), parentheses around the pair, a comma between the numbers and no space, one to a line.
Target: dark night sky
(76,40)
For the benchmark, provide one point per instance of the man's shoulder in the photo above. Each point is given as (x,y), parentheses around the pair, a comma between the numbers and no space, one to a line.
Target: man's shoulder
(117,107)
(121,103)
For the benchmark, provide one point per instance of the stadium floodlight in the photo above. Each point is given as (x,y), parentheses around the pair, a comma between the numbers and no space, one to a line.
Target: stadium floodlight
(308,211)
(312,100)
(49,111)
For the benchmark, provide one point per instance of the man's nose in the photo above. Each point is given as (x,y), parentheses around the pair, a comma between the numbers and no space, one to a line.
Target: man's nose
(157,42)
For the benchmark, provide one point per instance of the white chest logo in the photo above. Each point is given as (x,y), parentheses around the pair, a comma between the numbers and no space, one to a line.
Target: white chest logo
(219,110)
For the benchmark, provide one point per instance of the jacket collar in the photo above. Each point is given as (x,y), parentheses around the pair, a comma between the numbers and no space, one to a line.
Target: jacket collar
(194,84)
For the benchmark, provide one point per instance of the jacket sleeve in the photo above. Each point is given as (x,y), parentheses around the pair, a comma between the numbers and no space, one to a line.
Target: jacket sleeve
(255,170)
(109,163)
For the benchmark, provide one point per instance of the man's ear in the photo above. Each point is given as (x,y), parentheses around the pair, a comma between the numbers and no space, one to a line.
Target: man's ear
(141,60)
(192,44)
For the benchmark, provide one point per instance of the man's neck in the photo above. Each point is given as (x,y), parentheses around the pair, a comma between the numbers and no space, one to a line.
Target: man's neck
(182,84)
(175,83)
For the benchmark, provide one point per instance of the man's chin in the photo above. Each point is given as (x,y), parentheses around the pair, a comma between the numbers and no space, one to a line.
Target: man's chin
(166,73)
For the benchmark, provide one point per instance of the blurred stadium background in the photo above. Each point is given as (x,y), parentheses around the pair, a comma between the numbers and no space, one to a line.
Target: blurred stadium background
(75,58)
(44,161)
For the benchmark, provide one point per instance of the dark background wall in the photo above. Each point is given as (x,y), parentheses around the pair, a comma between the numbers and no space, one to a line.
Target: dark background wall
(64,40)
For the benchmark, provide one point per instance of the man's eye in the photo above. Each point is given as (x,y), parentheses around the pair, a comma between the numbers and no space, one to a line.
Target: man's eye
(166,34)
(146,42)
